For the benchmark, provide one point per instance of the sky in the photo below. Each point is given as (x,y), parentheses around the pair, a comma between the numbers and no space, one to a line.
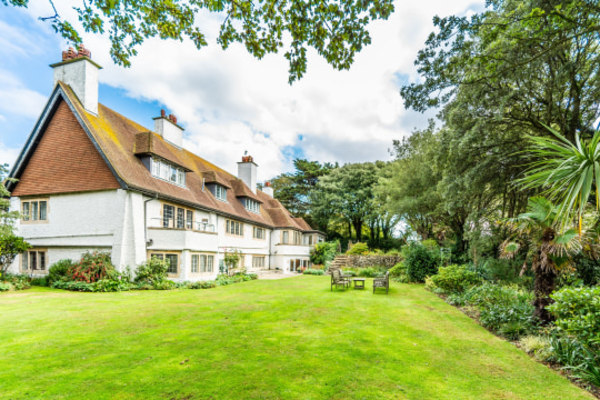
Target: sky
(228,101)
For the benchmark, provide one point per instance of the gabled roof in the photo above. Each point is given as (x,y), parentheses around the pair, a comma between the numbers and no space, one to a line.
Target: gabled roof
(121,141)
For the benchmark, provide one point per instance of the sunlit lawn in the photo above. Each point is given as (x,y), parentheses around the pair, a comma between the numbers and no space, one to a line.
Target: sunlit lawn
(281,339)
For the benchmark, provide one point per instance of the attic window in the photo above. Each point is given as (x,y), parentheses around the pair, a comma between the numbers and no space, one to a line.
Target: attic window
(221,192)
(167,172)
(252,205)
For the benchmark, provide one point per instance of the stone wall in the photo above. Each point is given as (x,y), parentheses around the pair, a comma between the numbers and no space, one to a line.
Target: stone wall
(357,261)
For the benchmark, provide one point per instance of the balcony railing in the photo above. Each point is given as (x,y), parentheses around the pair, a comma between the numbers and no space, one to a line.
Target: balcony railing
(172,223)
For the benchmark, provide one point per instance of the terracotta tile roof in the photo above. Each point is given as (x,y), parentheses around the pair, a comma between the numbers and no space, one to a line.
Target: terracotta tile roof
(121,139)
(213,177)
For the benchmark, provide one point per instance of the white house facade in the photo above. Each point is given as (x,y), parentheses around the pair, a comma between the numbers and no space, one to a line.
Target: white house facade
(90,179)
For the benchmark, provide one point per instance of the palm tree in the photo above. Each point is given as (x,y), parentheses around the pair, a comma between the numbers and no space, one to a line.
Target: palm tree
(567,172)
(547,249)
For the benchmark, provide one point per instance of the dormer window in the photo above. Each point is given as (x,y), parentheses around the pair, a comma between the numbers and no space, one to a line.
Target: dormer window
(252,205)
(221,192)
(167,172)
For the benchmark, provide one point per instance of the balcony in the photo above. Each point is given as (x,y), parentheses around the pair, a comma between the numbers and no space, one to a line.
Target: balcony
(204,238)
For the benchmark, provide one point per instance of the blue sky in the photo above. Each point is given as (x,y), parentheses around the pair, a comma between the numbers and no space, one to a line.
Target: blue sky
(228,101)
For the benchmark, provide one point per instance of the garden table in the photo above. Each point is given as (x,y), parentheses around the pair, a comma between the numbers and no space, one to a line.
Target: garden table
(359,283)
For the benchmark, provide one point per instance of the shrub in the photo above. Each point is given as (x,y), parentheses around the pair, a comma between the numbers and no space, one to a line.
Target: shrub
(92,267)
(538,346)
(577,312)
(453,279)
(359,249)
(39,281)
(310,271)
(112,285)
(501,270)
(588,270)
(164,285)
(420,262)
(4,286)
(151,271)
(505,310)
(323,252)
(369,272)
(202,285)
(17,281)
(77,286)
(59,270)
(576,357)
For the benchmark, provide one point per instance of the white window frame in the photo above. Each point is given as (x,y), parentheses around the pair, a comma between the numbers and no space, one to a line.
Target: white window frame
(221,192)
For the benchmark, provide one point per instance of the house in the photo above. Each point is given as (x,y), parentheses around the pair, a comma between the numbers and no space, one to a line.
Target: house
(91,179)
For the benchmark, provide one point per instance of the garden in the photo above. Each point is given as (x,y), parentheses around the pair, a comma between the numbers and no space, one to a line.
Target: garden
(268,339)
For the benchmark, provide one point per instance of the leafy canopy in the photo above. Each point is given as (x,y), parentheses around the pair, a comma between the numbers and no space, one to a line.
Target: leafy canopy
(335,29)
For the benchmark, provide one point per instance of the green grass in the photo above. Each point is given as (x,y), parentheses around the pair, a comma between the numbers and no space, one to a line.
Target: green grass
(283,339)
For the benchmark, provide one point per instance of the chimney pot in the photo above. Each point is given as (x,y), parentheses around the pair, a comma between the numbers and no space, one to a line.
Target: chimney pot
(163,113)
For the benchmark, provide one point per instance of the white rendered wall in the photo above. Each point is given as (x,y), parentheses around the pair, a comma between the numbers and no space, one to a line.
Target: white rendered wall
(76,223)
(82,76)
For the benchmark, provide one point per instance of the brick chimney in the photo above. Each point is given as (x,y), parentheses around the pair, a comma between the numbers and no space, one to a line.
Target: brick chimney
(81,73)
(166,126)
(268,189)
(247,172)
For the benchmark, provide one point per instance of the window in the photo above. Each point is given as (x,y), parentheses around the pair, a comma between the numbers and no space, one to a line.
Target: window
(285,237)
(308,240)
(180,218)
(195,262)
(177,217)
(252,205)
(258,233)
(202,263)
(168,214)
(234,228)
(258,261)
(34,261)
(171,258)
(221,192)
(206,263)
(189,219)
(166,171)
(34,210)
(297,237)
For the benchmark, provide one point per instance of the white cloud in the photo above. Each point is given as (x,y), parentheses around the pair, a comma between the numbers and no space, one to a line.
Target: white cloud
(8,155)
(230,102)
(16,99)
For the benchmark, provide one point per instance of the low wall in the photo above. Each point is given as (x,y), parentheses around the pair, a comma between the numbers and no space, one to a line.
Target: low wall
(357,261)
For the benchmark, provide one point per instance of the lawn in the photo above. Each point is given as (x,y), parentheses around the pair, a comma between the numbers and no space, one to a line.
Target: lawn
(282,339)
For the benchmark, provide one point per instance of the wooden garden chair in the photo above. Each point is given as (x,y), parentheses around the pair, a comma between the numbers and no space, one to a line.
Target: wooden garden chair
(383,283)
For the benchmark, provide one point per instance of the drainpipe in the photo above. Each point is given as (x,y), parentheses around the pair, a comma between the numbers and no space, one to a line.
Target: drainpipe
(146,222)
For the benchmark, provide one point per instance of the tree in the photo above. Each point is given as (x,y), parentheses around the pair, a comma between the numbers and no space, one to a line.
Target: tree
(10,244)
(568,173)
(7,217)
(348,192)
(10,247)
(410,183)
(335,29)
(293,189)
(520,64)
(231,259)
(547,249)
